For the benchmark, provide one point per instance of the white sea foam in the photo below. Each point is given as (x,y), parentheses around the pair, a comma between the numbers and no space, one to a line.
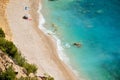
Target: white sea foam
(67,45)
(61,55)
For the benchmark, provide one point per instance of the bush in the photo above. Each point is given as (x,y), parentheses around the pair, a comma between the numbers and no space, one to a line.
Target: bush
(11,49)
(28,78)
(18,59)
(8,47)
(31,68)
(48,77)
(2,44)
(9,74)
(2,34)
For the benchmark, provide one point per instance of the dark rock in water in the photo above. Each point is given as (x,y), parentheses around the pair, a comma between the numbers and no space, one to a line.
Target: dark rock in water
(77,44)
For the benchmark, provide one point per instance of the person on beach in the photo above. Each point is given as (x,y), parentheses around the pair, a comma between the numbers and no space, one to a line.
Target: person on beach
(27,17)
(26,8)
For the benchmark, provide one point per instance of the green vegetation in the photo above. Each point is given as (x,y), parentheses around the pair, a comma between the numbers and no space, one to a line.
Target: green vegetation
(9,74)
(2,34)
(28,78)
(18,59)
(9,48)
(31,68)
(48,77)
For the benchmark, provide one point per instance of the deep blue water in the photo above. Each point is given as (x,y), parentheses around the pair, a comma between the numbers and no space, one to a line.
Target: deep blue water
(95,24)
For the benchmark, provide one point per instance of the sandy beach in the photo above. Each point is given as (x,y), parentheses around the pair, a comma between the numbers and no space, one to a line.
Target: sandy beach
(37,47)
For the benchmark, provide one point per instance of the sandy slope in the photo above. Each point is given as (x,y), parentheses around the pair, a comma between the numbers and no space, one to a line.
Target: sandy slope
(3,21)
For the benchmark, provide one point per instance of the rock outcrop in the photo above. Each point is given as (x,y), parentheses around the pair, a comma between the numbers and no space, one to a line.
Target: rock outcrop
(6,62)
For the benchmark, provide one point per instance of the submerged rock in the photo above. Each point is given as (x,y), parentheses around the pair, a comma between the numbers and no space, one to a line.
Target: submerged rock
(77,44)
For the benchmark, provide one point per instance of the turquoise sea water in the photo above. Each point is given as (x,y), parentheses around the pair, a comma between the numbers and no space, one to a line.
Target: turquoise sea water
(96,25)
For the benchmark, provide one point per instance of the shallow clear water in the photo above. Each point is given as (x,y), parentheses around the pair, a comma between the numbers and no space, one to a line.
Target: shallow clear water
(95,24)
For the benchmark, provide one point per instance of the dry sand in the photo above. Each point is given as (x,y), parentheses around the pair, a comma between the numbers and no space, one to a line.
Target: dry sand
(3,20)
(37,47)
